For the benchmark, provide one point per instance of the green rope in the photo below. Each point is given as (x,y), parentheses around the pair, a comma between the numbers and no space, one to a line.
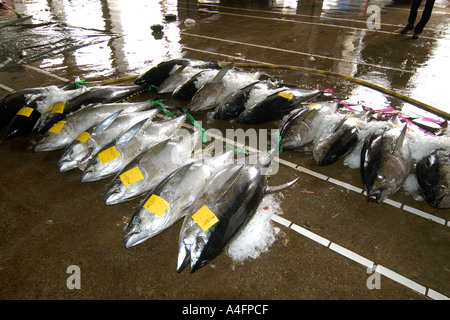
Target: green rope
(236,150)
(195,123)
(78,84)
(279,142)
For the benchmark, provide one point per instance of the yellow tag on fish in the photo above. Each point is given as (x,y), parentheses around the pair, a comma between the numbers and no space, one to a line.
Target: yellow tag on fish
(157,205)
(48,109)
(131,176)
(205,218)
(286,95)
(25,111)
(108,155)
(314,106)
(59,107)
(57,127)
(83,137)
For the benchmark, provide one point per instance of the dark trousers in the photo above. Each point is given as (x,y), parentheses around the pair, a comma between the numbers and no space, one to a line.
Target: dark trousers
(425,15)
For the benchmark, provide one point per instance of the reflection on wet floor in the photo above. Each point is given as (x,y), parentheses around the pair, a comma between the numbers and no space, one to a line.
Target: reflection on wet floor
(327,35)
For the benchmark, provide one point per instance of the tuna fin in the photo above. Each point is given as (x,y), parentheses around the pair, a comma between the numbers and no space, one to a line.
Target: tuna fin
(280,187)
(219,76)
(338,124)
(401,139)
(107,122)
(130,133)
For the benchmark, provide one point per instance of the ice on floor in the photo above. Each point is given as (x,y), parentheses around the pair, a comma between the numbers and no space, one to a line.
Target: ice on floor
(259,234)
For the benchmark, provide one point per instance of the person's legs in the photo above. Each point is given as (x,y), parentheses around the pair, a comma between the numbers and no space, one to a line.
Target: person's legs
(425,17)
(412,16)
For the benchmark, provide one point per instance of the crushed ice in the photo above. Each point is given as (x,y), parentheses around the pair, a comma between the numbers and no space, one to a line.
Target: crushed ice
(259,234)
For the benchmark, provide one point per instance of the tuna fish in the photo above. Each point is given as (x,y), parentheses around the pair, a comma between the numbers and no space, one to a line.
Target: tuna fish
(157,74)
(13,102)
(101,94)
(138,139)
(303,125)
(149,168)
(433,176)
(166,204)
(226,204)
(177,78)
(385,162)
(337,141)
(225,82)
(236,102)
(187,89)
(64,132)
(277,105)
(87,144)
(25,119)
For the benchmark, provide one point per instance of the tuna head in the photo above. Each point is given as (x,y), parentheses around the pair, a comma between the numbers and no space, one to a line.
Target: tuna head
(55,138)
(137,230)
(385,163)
(206,97)
(433,176)
(336,142)
(71,155)
(157,74)
(231,107)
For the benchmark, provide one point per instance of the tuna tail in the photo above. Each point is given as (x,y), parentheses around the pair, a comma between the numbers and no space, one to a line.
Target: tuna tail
(219,76)
(401,139)
(280,187)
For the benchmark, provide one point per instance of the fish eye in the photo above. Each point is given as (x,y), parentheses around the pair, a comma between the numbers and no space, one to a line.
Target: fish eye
(135,221)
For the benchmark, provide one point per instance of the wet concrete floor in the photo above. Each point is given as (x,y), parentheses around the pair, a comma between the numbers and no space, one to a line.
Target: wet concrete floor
(51,220)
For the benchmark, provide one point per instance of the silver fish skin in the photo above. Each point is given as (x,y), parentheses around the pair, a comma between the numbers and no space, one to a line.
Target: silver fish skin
(277,105)
(385,162)
(211,94)
(178,191)
(80,121)
(96,94)
(237,101)
(157,74)
(232,195)
(129,145)
(188,88)
(302,125)
(433,176)
(337,140)
(152,167)
(78,153)
(177,78)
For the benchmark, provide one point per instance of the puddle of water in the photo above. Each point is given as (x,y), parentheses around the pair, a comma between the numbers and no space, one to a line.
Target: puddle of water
(26,42)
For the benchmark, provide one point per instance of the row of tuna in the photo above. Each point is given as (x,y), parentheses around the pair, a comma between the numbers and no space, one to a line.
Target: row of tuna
(149,158)
(105,136)
(385,158)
